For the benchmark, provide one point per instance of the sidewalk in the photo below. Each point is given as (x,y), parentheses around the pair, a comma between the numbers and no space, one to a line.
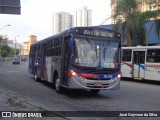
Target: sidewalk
(10,102)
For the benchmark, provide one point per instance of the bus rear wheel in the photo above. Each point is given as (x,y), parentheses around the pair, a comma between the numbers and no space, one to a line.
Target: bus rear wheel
(58,86)
(95,91)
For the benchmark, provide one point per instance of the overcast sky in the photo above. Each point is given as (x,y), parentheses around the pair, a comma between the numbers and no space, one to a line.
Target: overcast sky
(36,17)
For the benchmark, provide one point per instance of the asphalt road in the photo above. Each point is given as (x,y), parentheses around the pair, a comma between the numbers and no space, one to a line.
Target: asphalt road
(18,91)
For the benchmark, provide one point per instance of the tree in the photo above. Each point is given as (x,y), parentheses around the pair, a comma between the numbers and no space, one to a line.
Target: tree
(126,10)
(6,51)
(134,20)
(3,39)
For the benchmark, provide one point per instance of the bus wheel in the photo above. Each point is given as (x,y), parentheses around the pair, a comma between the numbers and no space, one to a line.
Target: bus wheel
(95,91)
(58,87)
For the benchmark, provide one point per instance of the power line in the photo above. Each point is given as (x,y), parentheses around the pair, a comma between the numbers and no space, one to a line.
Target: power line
(106,20)
(24,1)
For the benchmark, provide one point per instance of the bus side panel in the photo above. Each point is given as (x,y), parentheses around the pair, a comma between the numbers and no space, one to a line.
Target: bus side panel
(56,66)
(48,68)
(126,68)
(53,64)
(152,71)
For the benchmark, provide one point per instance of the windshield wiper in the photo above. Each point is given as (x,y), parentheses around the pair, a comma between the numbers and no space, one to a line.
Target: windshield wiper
(96,50)
(104,50)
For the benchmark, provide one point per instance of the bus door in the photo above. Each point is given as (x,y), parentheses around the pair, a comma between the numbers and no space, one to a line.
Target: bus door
(43,60)
(65,60)
(138,64)
(32,60)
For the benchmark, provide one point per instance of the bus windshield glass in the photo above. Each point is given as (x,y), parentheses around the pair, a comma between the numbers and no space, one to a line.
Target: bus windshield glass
(92,53)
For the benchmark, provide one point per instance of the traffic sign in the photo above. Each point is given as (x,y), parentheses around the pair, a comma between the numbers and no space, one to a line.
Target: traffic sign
(10,7)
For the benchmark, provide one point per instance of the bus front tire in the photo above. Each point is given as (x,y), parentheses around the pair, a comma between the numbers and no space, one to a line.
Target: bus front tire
(58,87)
(94,91)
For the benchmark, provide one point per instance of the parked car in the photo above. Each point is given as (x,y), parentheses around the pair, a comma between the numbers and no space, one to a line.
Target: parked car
(23,59)
(16,60)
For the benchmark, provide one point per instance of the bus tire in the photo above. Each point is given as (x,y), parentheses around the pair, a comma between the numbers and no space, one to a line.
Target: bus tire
(58,87)
(94,91)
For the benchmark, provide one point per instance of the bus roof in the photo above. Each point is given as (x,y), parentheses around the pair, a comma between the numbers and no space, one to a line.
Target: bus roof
(71,30)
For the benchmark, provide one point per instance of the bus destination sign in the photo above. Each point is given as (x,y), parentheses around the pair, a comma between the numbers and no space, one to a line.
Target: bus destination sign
(95,32)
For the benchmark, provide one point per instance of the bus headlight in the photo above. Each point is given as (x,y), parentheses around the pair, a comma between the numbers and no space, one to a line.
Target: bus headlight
(71,73)
(119,75)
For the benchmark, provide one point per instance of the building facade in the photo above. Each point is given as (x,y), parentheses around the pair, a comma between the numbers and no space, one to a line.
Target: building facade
(83,17)
(143,5)
(26,45)
(62,21)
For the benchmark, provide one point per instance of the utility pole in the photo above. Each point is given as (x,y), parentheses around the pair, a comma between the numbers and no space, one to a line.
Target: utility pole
(20,50)
(15,47)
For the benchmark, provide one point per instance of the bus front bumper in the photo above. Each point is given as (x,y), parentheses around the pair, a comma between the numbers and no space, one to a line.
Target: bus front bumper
(78,82)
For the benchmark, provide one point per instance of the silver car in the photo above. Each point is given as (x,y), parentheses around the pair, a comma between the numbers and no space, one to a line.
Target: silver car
(16,60)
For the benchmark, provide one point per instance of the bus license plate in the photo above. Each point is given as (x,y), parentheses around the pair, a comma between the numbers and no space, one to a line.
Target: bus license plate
(98,84)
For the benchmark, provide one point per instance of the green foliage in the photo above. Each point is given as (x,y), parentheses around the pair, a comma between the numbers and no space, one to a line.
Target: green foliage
(125,8)
(134,20)
(6,51)
(3,39)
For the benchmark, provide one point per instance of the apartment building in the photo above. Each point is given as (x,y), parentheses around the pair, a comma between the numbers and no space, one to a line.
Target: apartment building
(83,17)
(26,45)
(62,21)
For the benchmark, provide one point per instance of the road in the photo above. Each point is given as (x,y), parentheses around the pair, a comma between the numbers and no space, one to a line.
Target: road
(18,91)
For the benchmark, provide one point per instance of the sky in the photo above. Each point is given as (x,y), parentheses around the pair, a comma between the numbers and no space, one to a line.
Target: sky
(36,17)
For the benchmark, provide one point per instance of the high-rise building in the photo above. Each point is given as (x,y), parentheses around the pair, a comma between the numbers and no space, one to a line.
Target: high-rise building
(83,17)
(62,21)
(143,5)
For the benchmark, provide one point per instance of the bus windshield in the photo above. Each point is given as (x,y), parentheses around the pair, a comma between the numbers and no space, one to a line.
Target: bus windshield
(91,53)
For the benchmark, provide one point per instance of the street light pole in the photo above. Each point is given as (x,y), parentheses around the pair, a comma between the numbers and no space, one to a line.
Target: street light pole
(15,45)
(4,26)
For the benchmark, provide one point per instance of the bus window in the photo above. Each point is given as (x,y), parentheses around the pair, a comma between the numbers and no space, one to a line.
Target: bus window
(153,55)
(91,53)
(136,57)
(85,53)
(126,55)
(139,57)
(109,54)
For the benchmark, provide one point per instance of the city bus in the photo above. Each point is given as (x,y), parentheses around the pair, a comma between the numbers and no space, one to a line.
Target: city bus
(141,62)
(78,58)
